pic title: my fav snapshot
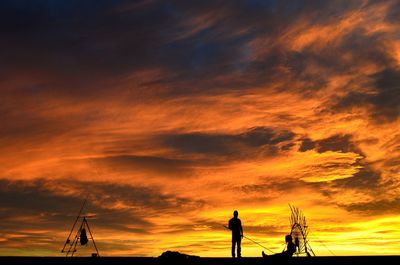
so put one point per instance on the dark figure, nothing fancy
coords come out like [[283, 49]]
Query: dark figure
[[290, 249], [237, 233], [83, 238]]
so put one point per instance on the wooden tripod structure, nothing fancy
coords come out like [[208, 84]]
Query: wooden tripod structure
[[299, 232], [71, 247]]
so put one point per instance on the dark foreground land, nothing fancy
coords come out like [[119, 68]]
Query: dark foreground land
[[378, 260]]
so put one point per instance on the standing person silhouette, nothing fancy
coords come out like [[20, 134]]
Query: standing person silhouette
[[237, 233]]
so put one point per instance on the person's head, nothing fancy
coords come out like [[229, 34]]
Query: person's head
[[288, 238], [235, 214]]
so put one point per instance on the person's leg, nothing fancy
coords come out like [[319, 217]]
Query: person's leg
[[239, 249], [233, 247]]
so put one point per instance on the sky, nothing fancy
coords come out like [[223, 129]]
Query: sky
[[170, 115]]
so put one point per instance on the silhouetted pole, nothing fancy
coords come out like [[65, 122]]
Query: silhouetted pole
[[91, 236], [73, 226], [255, 242]]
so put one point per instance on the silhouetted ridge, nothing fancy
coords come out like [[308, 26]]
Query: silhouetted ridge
[[176, 256]]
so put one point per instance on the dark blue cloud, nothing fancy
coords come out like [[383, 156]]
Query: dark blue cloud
[[335, 143], [85, 47], [255, 141], [45, 200], [383, 103]]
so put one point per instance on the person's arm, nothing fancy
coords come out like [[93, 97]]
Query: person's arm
[[241, 228], [230, 224]]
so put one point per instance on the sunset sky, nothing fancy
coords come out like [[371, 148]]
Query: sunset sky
[[170, 115]]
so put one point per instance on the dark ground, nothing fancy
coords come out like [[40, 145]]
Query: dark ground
[[378, 260]]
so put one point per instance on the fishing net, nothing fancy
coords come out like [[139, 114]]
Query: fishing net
[[299, 232]]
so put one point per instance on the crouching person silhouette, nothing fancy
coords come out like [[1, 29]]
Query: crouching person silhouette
[[237, 233], [290, 249]]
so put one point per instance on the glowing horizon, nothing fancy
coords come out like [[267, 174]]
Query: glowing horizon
[[169, 116]]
